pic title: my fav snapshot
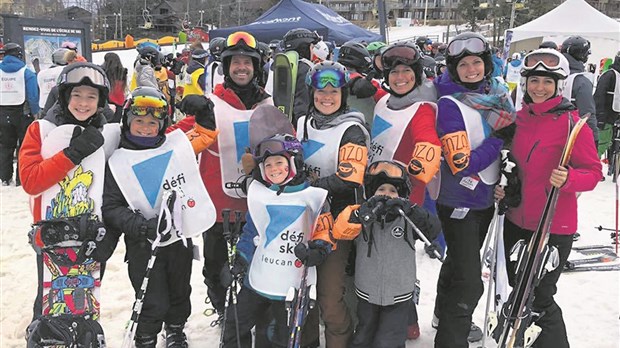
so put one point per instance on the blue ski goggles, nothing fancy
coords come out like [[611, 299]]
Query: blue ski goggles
[[321, 78]]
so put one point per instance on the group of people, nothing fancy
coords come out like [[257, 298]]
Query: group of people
[[379, 150]]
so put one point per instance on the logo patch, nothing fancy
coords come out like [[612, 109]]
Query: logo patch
[[280, 217], [311, 147], [398, 232], [379, 125], [150, 174]]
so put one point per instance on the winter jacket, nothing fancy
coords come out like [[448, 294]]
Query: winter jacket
[[498, 66], [604, 95], [144, 76], [450, 120], [302, 93], [210, 164], [11, 64], [537, 147], [194, 68], [582, 92], [38, 174]]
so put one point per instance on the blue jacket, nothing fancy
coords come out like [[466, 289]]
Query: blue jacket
[[449, 120], [498, 66], [12, 64]]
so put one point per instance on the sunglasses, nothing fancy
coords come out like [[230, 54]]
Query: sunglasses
[[236, 38], [322, 78], [390, 169], [146, 105], [549, 61], [395, 55], [275, 147], [472, 45]]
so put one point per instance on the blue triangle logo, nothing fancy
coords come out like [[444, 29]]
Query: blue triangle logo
[[242, 137], [379, 126], [281, 216], [150, 174], [311, 147]]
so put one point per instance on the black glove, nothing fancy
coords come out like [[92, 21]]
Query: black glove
[[201, 107], [151, 230], [312, 255], [368, 212], [426, 222], [506, 134], [362, 88], [227, 273], [83, 143], [394, 204]]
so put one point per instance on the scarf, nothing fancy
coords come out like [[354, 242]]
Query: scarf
[[496, 106]]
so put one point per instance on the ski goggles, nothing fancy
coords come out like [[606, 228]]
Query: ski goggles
[[147, 105], [390, 169], [77, 75], [236, 38], [321, 78], [271, 147], [548, 60], [473, 45], [399, 54]]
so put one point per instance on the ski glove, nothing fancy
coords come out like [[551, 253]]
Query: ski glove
[[83, 143], [312, 255], [151, 230], [371, 209], [426, 222], [362, 88], [394, 204], [228, 274], [201, 107]]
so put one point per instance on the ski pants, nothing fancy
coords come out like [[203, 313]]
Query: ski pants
[[250, 308], [381, 326], [215, 251], [330, 296], [553, 333], [459, 286], [12, 130], [167, 298]]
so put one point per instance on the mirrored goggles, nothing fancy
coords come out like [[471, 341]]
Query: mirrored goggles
[[145, 105], [75, 76], [395, 55], [336, 78], [275, 147], [549, 61], [472, 45], [390, 169], [236, 38]]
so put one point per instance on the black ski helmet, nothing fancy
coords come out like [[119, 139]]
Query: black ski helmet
[[79, 74], [146, 100], [422, 43], [354, 55], [149, 53], [468, 44], [14, 49], [216, 46], [387, 172], [405, 53], [577, 47], [241, 43], [264, 50], [548, 44], [299, 37]]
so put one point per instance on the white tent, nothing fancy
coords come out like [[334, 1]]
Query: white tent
[[573, 17]]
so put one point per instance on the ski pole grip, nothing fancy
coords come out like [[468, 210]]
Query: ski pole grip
[[420, 234], [237, 230], [226, 223]]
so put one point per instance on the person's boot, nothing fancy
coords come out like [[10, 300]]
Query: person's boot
[[146, 341], [475, 333], [175, 337], [413, 331]]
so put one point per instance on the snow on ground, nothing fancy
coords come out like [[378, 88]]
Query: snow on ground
[[590, 300]]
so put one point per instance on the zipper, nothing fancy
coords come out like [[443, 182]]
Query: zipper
[[531, 151]]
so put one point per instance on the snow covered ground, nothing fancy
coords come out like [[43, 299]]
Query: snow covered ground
[[590, 300]]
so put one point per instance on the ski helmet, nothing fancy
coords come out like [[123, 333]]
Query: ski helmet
[[404, 53], [468, 44], [320, 51], [146, 101], [58, 57], [422, 42], [200, 55], [440, 63], [216, 46], [328, 72], [299, 37], [149, 53], [577, 47], [241, 43], [387, 172], [282, 145], [545, 62], [548, 44], [80, 74], [354, 55], [264, 50], [374, 47], [13, 49]]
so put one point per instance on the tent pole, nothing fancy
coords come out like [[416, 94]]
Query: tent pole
[[381, 5], [512, 14]]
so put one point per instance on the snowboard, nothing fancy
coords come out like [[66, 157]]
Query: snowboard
[[266, 121], [513, 327], [284, 81]]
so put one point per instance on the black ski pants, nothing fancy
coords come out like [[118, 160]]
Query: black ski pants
[[215, 252], [381, 326], [459, 286], [167, 298], [13, 127], [553, 333]]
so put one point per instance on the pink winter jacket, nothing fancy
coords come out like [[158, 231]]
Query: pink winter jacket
[[537, 146]]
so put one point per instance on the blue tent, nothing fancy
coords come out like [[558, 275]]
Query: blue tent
[[291, 14]]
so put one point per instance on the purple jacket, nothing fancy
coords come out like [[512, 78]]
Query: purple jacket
[[537, 146], [449, 120]]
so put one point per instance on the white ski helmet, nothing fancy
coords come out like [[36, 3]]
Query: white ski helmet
[[320, 51], [545, 62]]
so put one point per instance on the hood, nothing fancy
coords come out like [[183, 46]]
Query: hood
[[556, 105], [193, 66], [59, 117], [11, 64], [426, 92], [574, 65], [515, 63], [446, 86]]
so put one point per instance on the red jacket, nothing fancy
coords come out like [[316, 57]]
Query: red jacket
[[537, 147]]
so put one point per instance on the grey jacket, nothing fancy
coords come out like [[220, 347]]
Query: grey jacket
[[582, 92]]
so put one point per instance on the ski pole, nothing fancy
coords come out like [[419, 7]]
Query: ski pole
[[601, 228], [420, 234], [233, 244], [226, 234]]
